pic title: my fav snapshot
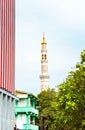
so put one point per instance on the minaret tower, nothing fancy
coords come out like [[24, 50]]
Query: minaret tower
[[44, 77]]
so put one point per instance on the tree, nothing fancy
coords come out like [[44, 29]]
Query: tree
[[71, 99], [47, 112]]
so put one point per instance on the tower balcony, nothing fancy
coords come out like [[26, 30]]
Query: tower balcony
[[44, 76]]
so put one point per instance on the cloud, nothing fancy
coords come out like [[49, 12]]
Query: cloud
[[67, 12]]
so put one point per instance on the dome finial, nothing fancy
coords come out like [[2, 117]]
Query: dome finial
[[43, 41]]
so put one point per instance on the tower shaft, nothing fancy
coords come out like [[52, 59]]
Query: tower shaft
[[44, 77]]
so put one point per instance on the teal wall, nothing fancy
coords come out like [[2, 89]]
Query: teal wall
[[27, 108]]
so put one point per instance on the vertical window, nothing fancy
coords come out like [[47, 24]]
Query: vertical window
[[45, 56]]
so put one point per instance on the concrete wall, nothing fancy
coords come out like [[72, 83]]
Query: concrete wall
[[7, 110]]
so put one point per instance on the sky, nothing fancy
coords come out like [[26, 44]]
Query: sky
[[63, 22]]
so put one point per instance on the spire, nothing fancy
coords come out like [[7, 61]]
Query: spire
[[44, 77], [43, 41]]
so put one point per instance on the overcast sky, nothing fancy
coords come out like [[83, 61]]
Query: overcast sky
[[63, 22]]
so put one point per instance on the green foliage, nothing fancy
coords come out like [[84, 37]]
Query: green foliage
[[47, 114]]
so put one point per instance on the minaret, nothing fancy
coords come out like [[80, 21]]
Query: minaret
[[44, 77]]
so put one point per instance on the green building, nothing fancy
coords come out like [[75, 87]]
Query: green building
[[26, 111]]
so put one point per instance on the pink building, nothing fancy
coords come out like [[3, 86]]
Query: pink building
[[7, 45]]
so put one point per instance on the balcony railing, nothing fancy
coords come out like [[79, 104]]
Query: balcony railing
[[30, 127], [26, 109]]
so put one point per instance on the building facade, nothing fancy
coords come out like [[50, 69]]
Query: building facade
[[7, 64], [7, 110], [44, 77], [25, 111]]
